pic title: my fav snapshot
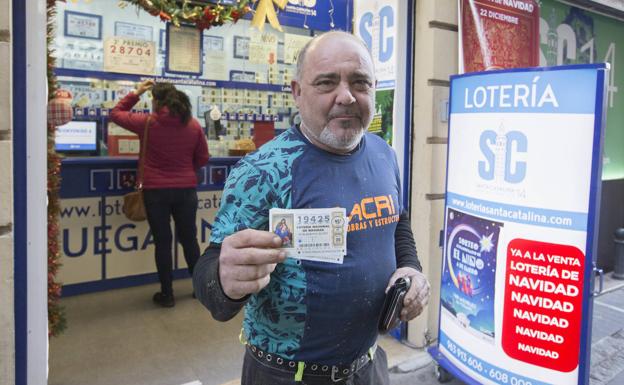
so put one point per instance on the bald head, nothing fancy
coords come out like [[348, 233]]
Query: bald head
[[319, 40], [334, 90]]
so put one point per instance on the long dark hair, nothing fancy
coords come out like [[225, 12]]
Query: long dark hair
[[165, 94]]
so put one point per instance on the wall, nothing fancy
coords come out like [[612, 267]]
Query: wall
[[436, 60], [611, 218], [7, 325]]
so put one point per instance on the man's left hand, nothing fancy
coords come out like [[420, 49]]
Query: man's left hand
[[417, 296]]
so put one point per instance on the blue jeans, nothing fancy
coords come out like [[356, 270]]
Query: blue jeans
[[160, 206], [255, 372]]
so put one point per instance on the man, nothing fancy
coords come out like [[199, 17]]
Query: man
[[305, 321]]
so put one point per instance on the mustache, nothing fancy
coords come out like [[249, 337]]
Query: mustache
[[342, 112]]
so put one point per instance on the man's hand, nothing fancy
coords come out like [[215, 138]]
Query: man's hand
[[247, 260], [417, 296]]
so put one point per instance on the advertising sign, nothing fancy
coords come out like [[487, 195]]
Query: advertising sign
[[570, 35], [129, 56], [376, 22], [498, 34], [522, 185], [100, 248], [99, 243], [318, 14]]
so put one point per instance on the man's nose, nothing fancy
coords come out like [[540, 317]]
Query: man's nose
[[344, 95]]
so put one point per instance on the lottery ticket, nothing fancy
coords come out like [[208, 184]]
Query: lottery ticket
[[311, 234]]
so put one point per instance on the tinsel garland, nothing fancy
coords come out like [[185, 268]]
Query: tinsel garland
[[191, 12], [56, 314]]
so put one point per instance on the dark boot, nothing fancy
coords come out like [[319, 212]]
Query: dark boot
[[164, 300]]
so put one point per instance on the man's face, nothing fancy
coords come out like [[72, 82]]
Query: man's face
[[336, 93]]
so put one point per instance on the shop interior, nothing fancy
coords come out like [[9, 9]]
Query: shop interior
[[238, 81]]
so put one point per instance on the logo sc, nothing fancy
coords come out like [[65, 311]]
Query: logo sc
[[501, 152]]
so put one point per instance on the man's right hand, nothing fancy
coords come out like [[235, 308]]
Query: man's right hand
[[247, 260]]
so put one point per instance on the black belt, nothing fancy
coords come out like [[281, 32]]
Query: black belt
[[337, 373]]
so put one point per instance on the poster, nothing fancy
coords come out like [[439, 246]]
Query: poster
[[497, 34], [263, 48], [523, 171], [376, 23], [292, 46], [382, 123], [469, 269], [570, 35], [129, 56], [136, 31], [184, 50], [215, 59], [83, 25]]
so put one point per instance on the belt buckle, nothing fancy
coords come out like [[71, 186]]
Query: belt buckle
[[335, 370]]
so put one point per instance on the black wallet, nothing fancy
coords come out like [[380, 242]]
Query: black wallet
[[393, 304]]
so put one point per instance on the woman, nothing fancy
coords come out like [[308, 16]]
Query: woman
[[283, 232], [176, 149]]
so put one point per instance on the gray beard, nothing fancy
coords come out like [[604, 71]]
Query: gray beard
[[347, 143]]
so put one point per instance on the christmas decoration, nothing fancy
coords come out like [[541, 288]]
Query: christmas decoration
[[56, 315], [60, 110], [265, 11], [202, 15]]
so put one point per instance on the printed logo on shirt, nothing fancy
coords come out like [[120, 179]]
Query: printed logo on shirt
[[372, 212]]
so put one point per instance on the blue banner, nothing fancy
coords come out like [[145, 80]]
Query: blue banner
[[536, 91], [520, 214], [318, 15]]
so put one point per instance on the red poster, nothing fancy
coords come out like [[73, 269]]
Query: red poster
[[543, 304], [497, 34]]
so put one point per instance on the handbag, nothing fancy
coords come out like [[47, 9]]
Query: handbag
[[133, 205]]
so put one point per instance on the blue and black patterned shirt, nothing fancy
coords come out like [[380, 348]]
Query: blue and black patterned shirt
[[313, 311]]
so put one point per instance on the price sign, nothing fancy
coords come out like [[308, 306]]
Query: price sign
[[129, 56]]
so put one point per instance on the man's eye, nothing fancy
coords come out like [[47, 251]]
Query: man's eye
[[362, 84], [325, 84]]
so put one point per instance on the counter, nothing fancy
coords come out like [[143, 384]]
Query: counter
[[100, 248]]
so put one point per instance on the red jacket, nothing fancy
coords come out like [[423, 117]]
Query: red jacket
[[174, 151]]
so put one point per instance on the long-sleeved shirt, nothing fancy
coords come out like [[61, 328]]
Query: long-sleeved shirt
[[313, 311], [175, 151]]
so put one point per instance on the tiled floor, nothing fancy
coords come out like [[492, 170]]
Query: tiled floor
[[120, 337]]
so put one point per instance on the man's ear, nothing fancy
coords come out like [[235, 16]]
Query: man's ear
[[295, 90]]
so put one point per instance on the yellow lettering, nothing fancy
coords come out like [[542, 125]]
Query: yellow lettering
[[356, 210], [363, 203], [382, 203]]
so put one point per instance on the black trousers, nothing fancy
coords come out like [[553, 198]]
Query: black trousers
[[160, 206], [256, 372]]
